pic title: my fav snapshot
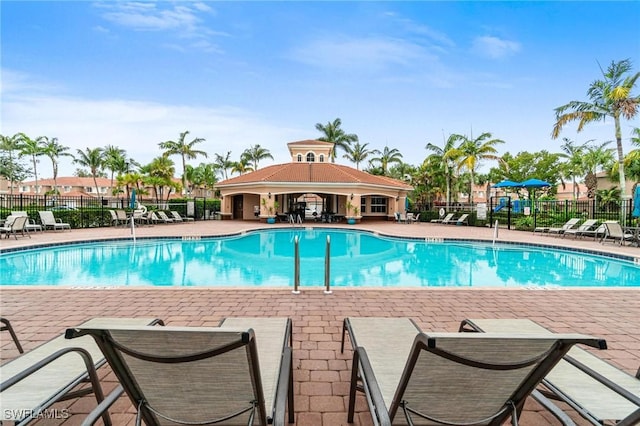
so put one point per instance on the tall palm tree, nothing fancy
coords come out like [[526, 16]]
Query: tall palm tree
[[574, 166], [444, 162], [471, 151], [33, 148], [610, 97], [114, 158], [160, 175], [386, 157], [223, 163], [333, 133], [184, 149], [255, 154], [358, 153], [11, 145], [92, 158], [54, 150]]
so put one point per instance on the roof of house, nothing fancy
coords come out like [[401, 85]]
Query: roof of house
[[313, 172], [71, 181]]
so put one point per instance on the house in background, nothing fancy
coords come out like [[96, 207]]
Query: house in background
[[68, 186], [311, 179]]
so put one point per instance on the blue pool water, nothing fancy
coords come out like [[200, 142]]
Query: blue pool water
[[265, 258]]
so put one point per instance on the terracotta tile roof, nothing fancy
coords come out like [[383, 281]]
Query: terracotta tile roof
[[313, 172], [72, 181], [310, 142]]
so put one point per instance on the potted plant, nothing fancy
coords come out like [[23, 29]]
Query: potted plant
[[351, 219], [270, 208]]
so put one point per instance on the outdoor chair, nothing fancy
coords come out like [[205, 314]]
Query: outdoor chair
[[163, 217], [416, 218], [447, 218], [35, 380], [597, 390], [114, 218], [463, 220], [238, 373], [49, 221], [14, 226], [588, 225], [178, 218], [6, 326], [31, 225], [615, 233], [411, 377], [558, 228]]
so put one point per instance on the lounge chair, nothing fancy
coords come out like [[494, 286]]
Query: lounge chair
[[178, 218], [200, 375], [49, 221], [14, 226], [114, 218], [163, 217], [463, 220], [598, 391], [445, 219], [416, 218], [49, 373], [558, 228], [595, 233], [448, 378], [449, 220], [6, 326], [614, 232], [587, 225], [31, 225]]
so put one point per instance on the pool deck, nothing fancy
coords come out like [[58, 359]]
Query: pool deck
[[321, 372]]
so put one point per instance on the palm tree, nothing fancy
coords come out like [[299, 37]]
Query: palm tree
[[471, 151], [54, 150], [255, 154], [595, 158], [333, 133], [33, 148], [93, 160], [358, 153], [386, 157], [444, 162], [241, 167], [574, 165], [224, 163], [610, 97], [11, 144], [114, 159], [184, 149]]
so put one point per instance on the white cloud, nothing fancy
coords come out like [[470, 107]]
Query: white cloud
[[358, 53], [494, 47], [136, 126], [183, 19]]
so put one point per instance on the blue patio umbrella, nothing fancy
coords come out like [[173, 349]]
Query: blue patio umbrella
[[534, 183], [507, 184], [636, 202], [132, 204]]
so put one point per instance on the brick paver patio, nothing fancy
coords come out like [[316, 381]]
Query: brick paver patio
[[321, 372]]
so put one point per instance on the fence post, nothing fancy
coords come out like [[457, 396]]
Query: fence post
[[296, 265], [327, 267]]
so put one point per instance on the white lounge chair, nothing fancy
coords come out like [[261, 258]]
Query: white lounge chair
[[447, 218], [178, 218], [598, 391], [239, 371], [49, 221], [30, 225], [558, 228], [463, 220], [586, 226], [448, 378], [37, 379]]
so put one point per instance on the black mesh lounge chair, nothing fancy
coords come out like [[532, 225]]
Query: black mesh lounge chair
[[410, 377], [52, 372], [238, 373], [598, 391]]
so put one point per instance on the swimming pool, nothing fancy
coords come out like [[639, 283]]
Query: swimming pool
[[358, 259]]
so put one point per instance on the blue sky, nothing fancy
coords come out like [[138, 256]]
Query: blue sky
[[401, 74]]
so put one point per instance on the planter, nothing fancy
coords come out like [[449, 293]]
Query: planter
[[271, 220], [351, 221]]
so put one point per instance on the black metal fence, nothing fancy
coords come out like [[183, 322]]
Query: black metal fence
[[92, 212]]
